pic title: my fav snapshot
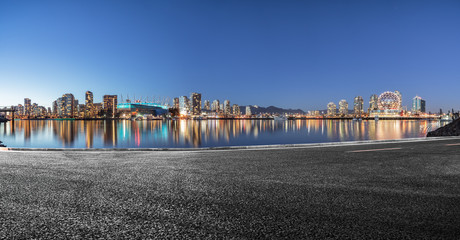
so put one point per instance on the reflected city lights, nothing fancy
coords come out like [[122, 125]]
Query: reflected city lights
[[203, 133]]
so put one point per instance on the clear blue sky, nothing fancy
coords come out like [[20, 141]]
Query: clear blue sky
[[292, 54]]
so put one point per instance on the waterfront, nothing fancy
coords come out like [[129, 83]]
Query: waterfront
[[202, 133]]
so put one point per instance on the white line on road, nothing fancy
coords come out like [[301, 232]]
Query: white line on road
[[453, 144], [373, 150]]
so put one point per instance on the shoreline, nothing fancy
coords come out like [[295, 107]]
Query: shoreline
[[247, 147]]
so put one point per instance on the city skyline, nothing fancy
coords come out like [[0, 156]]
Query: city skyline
[[290, 55]]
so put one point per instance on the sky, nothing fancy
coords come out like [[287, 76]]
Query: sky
[[290, 54]]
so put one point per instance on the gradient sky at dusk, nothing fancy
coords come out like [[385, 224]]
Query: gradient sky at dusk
[[292, 54]]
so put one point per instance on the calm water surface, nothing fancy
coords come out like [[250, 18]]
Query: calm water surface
[[204, 133]]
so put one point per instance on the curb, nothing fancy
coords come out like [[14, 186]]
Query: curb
[[254, 147]]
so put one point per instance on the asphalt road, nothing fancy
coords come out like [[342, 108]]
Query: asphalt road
[[376, 191]]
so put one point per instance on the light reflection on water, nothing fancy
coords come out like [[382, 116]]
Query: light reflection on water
[[204, 133]]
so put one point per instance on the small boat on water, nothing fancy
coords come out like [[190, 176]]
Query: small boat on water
[[376, 118], [446, 118]]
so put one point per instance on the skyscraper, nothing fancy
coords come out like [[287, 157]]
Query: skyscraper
[[331, 109], [343, 107], [176, 103], [89, 104], [110, 105], [207, 105], [227, 107], [215, 106], [418, 105], [183, 105], [196, 103], [358, 105], [27, 106], [373, 103], [236, 110], [88, 98], [68, 102], [248, 111]]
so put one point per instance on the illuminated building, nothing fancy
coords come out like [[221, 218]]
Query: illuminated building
[[89, 104], [27, 106], [227, 107], [176, 103], [236, 110], [183, 105], [215, 106], [196, 103], [418, 105], [141, 109], [88, 98], [389, 105], [67, 107], [110, 105], [20, 109], [400, 99], [331, 109], [373, 103], [358, 105], [55, 107], [248, 111], [207, 105], [343, 107]]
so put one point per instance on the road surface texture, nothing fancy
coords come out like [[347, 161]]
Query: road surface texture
[[394, 190]]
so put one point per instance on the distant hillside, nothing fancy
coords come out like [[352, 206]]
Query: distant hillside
[[271, 109]]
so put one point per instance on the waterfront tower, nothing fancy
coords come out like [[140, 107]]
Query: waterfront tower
[[176, 103], [358, 105], [248, 111], [183, 105], [343, 107], [27, 106], [236, 110], [110, 105], [373, 103], [207, 105], [196, 103], [227, 107], [418, 105], [331, 109]]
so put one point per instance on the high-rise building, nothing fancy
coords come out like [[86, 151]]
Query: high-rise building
[[331, 109], [183, 105], [27, 106], [88, 98], [176, 103], [400, 99], [196, 103], [55, 107], [215, 106], [236, 110], [248, 111], [20, 109], [358, 105], [207, 105], [418, 105], [67, 105], [373, 103], [227, 107], [110, 105], [343, 107]]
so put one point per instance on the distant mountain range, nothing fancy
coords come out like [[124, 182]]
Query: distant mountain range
[[271, 109]]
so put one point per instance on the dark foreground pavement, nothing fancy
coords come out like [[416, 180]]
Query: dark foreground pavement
[[408, 190]]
